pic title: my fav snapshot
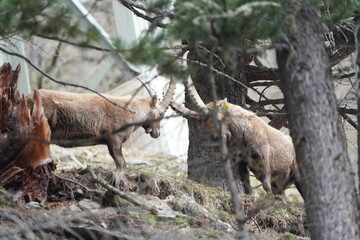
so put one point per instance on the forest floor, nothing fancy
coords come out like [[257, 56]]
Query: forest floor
[[79, 208]]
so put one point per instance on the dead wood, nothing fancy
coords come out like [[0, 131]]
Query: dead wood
[[24, 141], [121, 193]]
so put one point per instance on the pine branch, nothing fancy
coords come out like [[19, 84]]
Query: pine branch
[[255, 73], [132, 6]]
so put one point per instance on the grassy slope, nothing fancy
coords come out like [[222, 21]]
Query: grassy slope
[[190, 210]]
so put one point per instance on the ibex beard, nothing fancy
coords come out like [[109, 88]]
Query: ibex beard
[[89, 119]]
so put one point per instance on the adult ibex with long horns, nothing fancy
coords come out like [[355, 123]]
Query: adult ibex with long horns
[[89, 119], [253, 144]]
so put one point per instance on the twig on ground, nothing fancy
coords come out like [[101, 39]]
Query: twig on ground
[[50, 223], [256, 224], [77, 183], [121, 194], [157, 236]]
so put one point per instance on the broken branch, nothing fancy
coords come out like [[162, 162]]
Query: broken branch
[[121, 194]]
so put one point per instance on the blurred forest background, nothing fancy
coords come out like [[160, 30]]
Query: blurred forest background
[[255, 53], [80, 65]]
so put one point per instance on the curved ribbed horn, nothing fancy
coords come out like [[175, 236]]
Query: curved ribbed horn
[[165, 103], [151, 91], [186, 112], [195, 97]]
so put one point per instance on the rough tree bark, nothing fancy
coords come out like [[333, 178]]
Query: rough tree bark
[[204, 162], [327, 181], [357, 41]]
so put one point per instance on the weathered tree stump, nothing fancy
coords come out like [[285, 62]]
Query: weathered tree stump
[[24, 141]]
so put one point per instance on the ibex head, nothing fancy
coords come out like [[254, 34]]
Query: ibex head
[[157, 110], [221, 108], [204, 113]]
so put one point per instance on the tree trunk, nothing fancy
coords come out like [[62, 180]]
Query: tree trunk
[[204, 162], [358, 107], [326, 181]]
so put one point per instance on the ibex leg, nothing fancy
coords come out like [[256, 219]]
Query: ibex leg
[[115, 149], [245, 177]]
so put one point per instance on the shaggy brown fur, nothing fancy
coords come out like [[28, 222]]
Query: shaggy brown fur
[[252, 143], [82, 117], [255, 145]]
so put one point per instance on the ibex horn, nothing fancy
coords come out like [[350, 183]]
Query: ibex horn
[[151, 91], [165, 103], [187, 113], [195, 97]]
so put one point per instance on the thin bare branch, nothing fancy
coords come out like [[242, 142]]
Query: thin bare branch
[[51, 66], [344, 76], [350, 111], [154, 20], [349, 120], [264, 83], [344, 41], [228, 77], [256, 73], [67, 41], [224, 154], [58, 81], [271, 101]]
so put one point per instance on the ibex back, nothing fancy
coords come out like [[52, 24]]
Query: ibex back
[[84, 118]]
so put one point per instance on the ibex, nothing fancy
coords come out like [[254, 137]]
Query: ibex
[[85, 117], [255, 145]]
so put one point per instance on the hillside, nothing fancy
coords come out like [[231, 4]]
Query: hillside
[[79, 208]]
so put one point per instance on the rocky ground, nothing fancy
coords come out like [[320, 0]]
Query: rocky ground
[[169, 205]]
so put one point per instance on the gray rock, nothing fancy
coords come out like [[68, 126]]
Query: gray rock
[[74, 208], [34, 205], [187, 205], [87, 204]]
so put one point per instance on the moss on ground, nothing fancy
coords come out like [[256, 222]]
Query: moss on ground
[[160, 176], [153, 220], [5, 198]]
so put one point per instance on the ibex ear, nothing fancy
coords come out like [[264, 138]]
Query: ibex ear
[[224, 101], [224, 105], [154, 100], [221, 103]]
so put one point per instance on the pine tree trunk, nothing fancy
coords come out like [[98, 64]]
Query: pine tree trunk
[[204, 163], [326, 179], [358, 107]]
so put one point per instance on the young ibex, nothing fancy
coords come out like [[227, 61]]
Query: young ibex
[[84, 117], [254, 145]]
